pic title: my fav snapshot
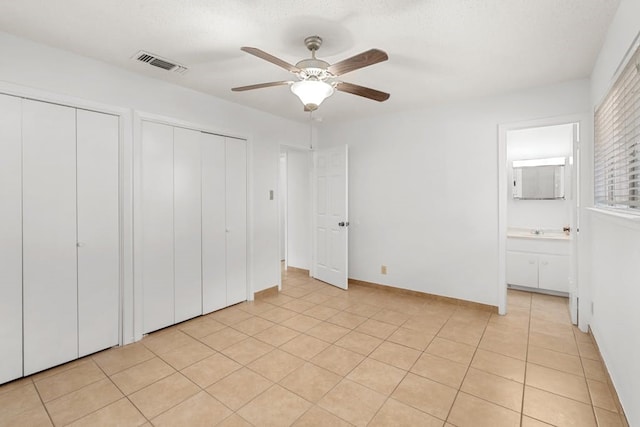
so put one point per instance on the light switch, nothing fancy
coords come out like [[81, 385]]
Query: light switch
[[270, 194]]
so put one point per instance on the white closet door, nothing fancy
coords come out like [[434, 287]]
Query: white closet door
[[236, 208], [187, 224], [98, 231], [157, 226], [214, 282], [10, 238], [49, 236]]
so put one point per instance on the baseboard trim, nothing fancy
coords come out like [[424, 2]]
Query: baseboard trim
[[266, 292], [432, 297]]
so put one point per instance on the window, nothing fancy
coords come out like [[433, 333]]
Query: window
[[617, 142]]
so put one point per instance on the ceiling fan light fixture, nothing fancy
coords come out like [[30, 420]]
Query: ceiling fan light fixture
[[312, 92]]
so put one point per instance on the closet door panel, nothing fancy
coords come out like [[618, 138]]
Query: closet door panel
[[157, 226], [98, 231], [236, 213], [10, 238], [49, 236], [187, 224], [214, 282]]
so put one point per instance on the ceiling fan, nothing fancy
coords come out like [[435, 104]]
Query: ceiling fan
[[317, 79]]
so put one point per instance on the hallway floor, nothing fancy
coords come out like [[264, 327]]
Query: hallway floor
[[315, 355]]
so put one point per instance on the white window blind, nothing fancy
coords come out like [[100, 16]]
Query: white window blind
[[617, 142]]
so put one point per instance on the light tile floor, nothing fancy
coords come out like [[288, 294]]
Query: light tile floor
[[315, 355]]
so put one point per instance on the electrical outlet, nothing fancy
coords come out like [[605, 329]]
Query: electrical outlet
[[383, 269]]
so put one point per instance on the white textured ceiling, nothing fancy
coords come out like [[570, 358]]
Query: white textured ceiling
[[439, 50]]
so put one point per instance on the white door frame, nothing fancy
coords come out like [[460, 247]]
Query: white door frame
[[503, 194]]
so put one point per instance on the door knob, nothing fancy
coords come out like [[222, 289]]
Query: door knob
[[343, 224]]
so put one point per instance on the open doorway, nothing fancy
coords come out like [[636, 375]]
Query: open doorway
[[295, 209], [538, 211]]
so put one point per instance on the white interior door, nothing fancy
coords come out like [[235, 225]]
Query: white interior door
[[10, 238], [50, 282], [157, 226], [187, 224], [331, 218], [98, 231], [236, 220], [214, 258], [575, 226]]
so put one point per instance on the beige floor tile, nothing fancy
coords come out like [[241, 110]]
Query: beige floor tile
[[199, 410], [426, 395], [601, 395], [80, 403], [120, 358], [347, 320], [361, 309], [164, 394], [34, 417], [15, 384], [338, 360], [321, 312], [139, 376], [278, 315], [512, 344], [276, 364], [377, 376], [247, 351], [301, 323], [317, 416], [18, 400], [396, 355], [295, 292], [352, 402], [164, 341], [567, 385], [276, 335], [458, 352], [411, 338], [70, 380], [201, 327], [275, 407], [253, 325], [187, 355], [328, 332], [557, 410], [316, 297], [299, 306], [377, 328], [310, 381], [498, 364], [212, 369], [339, 303], [531, 422], [594, 370], [277, 300], [462, 332], [119, 413], [238, 388], [553, 359], [391, 316], [493, 388], [358, 342], [551, 342], [469, 411], [588, 351], [255, 307], [549, 327], [607, 418], [518, 299], [223, 338], [425, 325], [230, 316], [234, 420], [439, 369], [397, 414], [305, 346]]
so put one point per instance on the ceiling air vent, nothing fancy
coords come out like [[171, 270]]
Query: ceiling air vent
[[159, 62]]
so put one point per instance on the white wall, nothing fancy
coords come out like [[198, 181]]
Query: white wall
[[423, 189], [298, 209], [37, 68], [615, 245], [539, 143]]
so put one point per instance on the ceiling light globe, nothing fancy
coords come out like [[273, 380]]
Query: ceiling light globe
[[312, 92]]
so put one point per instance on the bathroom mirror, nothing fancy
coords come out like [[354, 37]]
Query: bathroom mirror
[[538, 179]]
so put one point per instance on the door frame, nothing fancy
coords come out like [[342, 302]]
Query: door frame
[[503, 193]]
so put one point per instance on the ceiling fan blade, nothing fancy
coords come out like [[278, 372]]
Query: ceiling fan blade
[[267, 57], [361, 60], [366, 92], [260, 86]]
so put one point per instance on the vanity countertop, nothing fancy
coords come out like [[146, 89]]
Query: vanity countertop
[[541, 234]]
